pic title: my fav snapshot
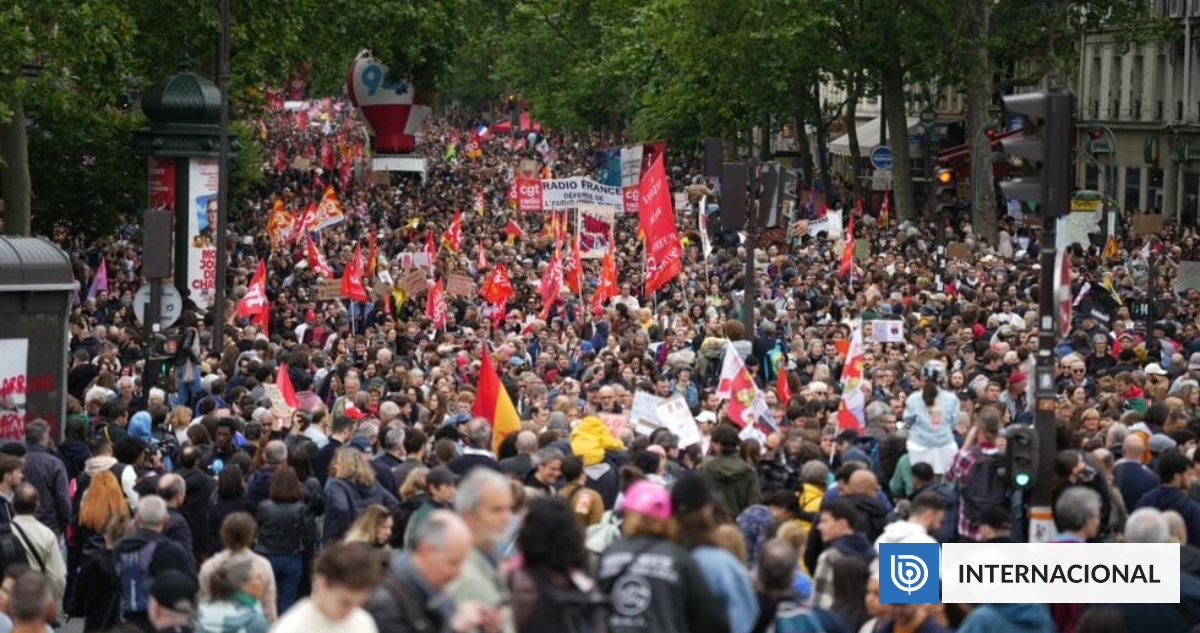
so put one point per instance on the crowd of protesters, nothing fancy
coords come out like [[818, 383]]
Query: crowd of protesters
[[381, 503]]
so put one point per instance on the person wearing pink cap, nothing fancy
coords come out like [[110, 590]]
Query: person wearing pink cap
[[655, 585]]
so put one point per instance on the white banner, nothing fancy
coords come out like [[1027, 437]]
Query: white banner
[[568, 193], [595, 230], [14, 370], [202, 221], [831, 224]]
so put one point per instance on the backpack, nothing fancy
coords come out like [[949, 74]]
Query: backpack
[[603, 534], [133, 574], [984, 489], [563, 610], [12, 550], [792, 617], [714, 357]]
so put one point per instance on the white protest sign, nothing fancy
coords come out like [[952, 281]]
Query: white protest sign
[[676, 416], [644, 413], [887, 331]]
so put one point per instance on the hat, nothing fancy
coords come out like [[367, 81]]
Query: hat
[[648, 498], [1017, 377], [440, 475], [516, 361], [1194, 361], [1154, 369], [1159, 443], [139, 425], [175, 590], [353, 413], [707, 417], [690, 493]]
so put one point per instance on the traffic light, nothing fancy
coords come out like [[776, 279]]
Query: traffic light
[[945, 193], [1021, 456], [1046, 150]]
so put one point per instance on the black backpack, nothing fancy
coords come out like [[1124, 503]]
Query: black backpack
[[12, 550], [984, 489], [566, 610]]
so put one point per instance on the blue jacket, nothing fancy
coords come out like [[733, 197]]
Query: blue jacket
[[1133, 480], [346, 501], [730, 584], [1008, 618], [1165, 498]]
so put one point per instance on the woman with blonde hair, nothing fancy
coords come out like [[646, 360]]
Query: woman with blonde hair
[[373, 530], [178, 421], [352, 488]]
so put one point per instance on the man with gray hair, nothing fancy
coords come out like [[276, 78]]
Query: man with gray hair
[[547, 468], [48, 475], [144, 555], [520, 465], [477, 453], [485, 502], [1077, 514], [1147, 525], [172, 489]]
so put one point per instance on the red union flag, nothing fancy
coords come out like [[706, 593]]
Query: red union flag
[[529, 194], [352, 283], [435, 305], [664, 253], [496, 287], [255, 300], [316, 261]]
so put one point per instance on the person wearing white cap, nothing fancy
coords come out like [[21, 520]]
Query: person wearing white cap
[[705, 422]]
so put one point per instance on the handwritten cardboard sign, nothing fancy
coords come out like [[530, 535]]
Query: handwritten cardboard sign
[[414, 283], [329, 289], [460, 285]]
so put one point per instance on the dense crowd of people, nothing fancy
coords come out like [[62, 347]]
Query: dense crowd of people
[[381, 502]]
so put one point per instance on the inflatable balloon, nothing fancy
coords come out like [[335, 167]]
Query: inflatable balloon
[[393, 110]]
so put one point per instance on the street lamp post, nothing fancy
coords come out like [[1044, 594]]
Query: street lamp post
[[1108, 172]]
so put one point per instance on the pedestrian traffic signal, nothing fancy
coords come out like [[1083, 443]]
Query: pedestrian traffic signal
[[945, 194], [1021, 456], [1046, 149]]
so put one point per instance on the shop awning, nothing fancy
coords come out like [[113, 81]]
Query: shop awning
[[868, 137]]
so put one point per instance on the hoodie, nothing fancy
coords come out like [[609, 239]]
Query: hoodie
[[904, 532], [1008, 618], [239, 614], [873, 513], [733, 481], [1168, 498]]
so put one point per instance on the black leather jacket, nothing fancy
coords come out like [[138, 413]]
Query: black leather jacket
[[283, 528]]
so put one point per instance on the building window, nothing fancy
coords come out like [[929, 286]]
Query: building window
[[1191, 199], [1154, 197], [1133, 187], [1091, 178]]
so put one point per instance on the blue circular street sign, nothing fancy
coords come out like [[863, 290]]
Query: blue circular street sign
[[881, 157]]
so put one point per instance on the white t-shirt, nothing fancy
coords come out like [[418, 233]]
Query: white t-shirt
[[304, 617]]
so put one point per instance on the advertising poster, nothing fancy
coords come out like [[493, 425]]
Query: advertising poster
[[202, 226], [14, 369]]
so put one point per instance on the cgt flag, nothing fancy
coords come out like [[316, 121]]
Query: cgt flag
[[496, 287], [851, 414], [656, 218], [352, 284], [435, 305], [255, 300], [316, 261]]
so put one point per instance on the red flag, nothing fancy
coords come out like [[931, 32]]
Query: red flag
[[302, 120], [255, 300], [452, 238], [344, 173], [263, 321], [482, 263], [352, 283], [435, 305], [607, 288], [746, 403], [573, 268], [370, 254], [847, 264], [496, 287], [430, 249], [493, 404], [782, 389], [513, 231], [326, 155], [306, 220], [279, 159], [552, 283], [317, 182], [498, 313], [284, 382], [664, 253], [316, 261]]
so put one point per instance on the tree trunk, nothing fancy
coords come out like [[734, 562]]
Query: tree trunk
[[806, 165], [856, 181], [14, 173], [979, 89], [822, 134], [893, 97]]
